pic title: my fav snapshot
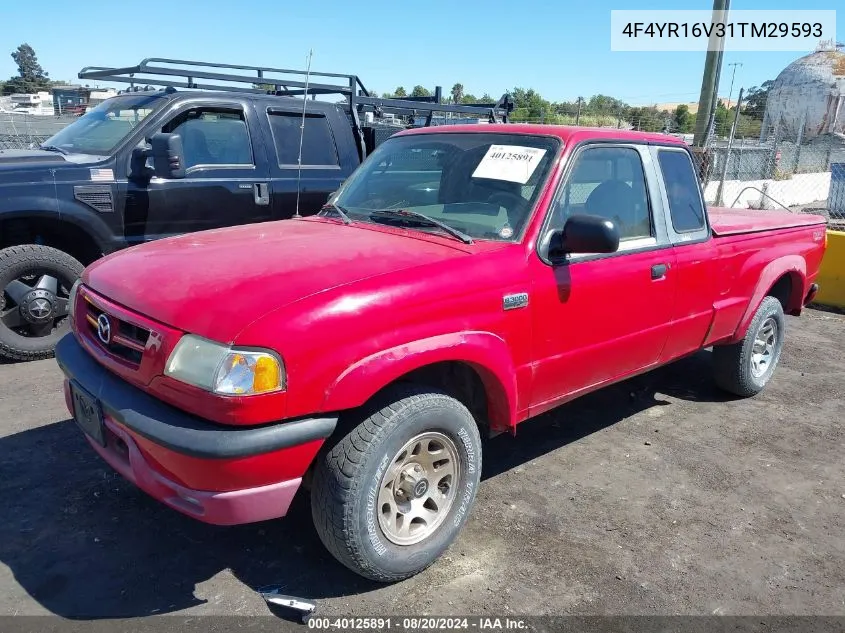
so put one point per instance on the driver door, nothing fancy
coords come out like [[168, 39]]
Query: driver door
[[600, 317], [226, 177]]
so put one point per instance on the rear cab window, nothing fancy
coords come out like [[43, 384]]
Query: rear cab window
[[318, 143], [683, 194]]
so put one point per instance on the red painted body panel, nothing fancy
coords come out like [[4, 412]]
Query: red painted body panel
[[607, 319], [352, 308]]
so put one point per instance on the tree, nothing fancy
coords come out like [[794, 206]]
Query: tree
[[755, 100], [31, 76], [722, 123], [419, 91], [486, 98], [458, 93], [529, 105], [683, 119], [400, 92]]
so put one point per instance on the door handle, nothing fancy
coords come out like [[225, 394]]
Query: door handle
[[658, 271], [261, 192]]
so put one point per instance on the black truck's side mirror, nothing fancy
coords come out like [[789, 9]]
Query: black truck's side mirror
[[168, 156], [138, 169], [583, 234]]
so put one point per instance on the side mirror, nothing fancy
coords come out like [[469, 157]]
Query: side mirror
[[583, 234], [138, 169], [168, 158]]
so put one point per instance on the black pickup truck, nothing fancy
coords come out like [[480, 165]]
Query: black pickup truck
[[171, 155]]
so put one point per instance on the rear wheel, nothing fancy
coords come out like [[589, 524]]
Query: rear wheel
[[36, 282], [392, 494], [746, 367]]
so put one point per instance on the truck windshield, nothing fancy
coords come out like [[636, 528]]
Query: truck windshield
[[483, 184], [102, 129]]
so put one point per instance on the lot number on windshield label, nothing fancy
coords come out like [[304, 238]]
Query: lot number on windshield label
[[509, 162]]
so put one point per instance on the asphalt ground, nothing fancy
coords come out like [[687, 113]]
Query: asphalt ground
[[659, 495]]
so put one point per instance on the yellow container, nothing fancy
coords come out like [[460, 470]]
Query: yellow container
[[831, 278]]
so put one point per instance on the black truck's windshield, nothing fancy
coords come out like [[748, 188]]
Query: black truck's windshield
[[102, 129], [483, 185]]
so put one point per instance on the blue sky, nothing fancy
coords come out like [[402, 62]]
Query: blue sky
[[560, 48]]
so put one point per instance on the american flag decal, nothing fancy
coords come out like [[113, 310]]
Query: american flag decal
[[102, 175]]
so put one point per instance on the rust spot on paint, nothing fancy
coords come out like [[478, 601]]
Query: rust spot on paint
[[838, 65]]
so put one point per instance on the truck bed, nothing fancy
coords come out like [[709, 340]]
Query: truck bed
[[725, 221]]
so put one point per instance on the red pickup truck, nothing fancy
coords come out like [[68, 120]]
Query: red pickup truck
[[462, 280]]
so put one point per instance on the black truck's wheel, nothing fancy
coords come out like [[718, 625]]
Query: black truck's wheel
[[36, 281], [391, 495], [744, 368]]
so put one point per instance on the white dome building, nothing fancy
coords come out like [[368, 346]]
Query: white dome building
[[812, 87]]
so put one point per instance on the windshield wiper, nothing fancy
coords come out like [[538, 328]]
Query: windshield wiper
[[406, 214], [55, 148], [339, 210]]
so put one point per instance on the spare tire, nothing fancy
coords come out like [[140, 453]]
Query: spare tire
[[34, 310]]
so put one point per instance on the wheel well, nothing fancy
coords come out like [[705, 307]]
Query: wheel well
[[784, 291], [64, 236], [457, 379]]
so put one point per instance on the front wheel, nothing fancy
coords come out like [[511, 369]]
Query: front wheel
[[36, 281], [391, 495]]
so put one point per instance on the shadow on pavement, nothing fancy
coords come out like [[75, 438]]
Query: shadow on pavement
[[85, 543]]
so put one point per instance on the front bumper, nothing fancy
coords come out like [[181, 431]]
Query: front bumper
[[218, 474]]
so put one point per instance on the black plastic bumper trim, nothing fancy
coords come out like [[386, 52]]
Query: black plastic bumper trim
[[174, 429]]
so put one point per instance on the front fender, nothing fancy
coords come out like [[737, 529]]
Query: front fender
[[92, 223], [795, 266], [487, 353]]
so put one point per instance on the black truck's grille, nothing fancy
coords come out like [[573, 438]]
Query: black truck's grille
[[126, 341]]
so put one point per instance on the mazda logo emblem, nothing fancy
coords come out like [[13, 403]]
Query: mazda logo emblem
[[104, 329]]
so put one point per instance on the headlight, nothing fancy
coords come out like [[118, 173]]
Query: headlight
[[71, 299], [225, 370]]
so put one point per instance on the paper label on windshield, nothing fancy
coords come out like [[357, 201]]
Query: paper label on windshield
[[509, 162]]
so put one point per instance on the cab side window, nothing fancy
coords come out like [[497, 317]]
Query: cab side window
[[213, 137], [608, 182], [682, 190], [318, 144]]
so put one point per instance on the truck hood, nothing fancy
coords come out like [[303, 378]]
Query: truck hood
[[15, 158], [22, 164], [726, 221], [215, 283]]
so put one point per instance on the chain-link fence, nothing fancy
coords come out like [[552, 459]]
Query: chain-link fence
[[25, 131], [772, 158], [766, 158]]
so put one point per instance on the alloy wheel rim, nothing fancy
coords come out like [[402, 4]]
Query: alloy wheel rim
[[763, 349], [33, 305], [418, 488]]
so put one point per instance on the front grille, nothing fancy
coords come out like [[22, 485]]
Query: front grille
[[127, 341]]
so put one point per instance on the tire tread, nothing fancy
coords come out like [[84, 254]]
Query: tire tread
[[37, 255]]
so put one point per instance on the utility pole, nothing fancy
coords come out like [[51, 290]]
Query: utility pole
[[578, 115], [710, 78], [733, 75], [719, 200]]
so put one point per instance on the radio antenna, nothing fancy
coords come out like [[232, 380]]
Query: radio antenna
[[302, 132]]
